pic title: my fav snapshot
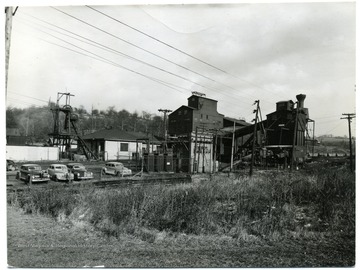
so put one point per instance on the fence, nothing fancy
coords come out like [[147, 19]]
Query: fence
[[31, 153]]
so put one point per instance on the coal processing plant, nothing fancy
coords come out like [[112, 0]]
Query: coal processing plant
[[199, 139], [202, 140]]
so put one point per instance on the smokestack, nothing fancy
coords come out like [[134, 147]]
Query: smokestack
[[301, 98]]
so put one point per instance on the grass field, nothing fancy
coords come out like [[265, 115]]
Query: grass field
[[307, 210]]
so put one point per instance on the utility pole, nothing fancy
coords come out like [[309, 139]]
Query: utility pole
[[165, 111], [232, 148], [294, 138], [254, 137], [215, 150], [350, 116], [203, 155], [195, 149], [198, 156], [8, 25]]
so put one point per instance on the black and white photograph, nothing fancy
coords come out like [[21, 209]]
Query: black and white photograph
[[180, 134]]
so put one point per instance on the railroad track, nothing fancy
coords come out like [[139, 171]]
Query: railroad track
[[111, 182]]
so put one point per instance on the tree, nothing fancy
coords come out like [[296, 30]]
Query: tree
[[11, 119], [38, 122]]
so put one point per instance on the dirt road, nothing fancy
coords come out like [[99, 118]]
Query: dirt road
[[38, 241]]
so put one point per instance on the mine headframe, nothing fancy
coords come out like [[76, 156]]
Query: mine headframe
[[64, 134]]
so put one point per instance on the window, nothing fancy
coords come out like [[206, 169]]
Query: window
[[179, 113], [185, 112], [124, 147], [207, 117]]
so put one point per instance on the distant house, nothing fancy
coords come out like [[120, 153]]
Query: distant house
[[13, 137], [116, 144]]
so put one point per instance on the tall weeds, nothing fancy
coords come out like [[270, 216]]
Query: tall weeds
[[271, 206]]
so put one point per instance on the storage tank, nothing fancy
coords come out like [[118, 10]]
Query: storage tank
[[169, 163], [159, 162], [149, 162]]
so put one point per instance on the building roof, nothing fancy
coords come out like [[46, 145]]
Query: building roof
[[237, 121], [182, 107], [203, 97], [119, 135], [227, 130], [283, 101]]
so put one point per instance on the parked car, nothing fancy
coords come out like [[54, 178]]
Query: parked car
[[79, 171], [116, 168], [60, 172], [11, 165], [32, 173]]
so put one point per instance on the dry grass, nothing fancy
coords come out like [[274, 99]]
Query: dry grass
[[272, 206]]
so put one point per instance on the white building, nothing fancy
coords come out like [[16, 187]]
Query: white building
[[116, 144]]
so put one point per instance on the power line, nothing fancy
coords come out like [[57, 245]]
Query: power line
[[333, 128], [162, 42], [46, 101], [115, 64], [14, 100], [174, 48], [99, 58], [324, 117], [156, 39], [132, 44], [128, 42], [102, 59], [101, 46]]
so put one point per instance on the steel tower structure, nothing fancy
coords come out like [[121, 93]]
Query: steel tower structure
[[65, 130]]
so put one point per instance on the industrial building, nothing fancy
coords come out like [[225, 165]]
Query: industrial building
[[193, 129], [200, 113], [282, 136], [203, 140], [117, 144]]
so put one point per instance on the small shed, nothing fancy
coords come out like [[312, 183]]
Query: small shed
[[117, 144]]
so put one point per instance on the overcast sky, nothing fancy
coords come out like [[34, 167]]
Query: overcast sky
[[147, 57]]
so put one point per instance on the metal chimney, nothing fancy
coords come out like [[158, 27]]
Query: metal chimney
[[300, 98]]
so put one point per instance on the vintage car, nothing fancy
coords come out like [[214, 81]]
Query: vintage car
[[79, 171], [60, 172], [116, 168], [11, 165], [32, 173]]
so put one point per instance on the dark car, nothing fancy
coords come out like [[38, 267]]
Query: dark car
[[11, 165], [32, 173], [79, 171]]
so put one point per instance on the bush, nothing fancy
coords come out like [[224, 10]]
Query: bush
[[49, 202], [271, 206]]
